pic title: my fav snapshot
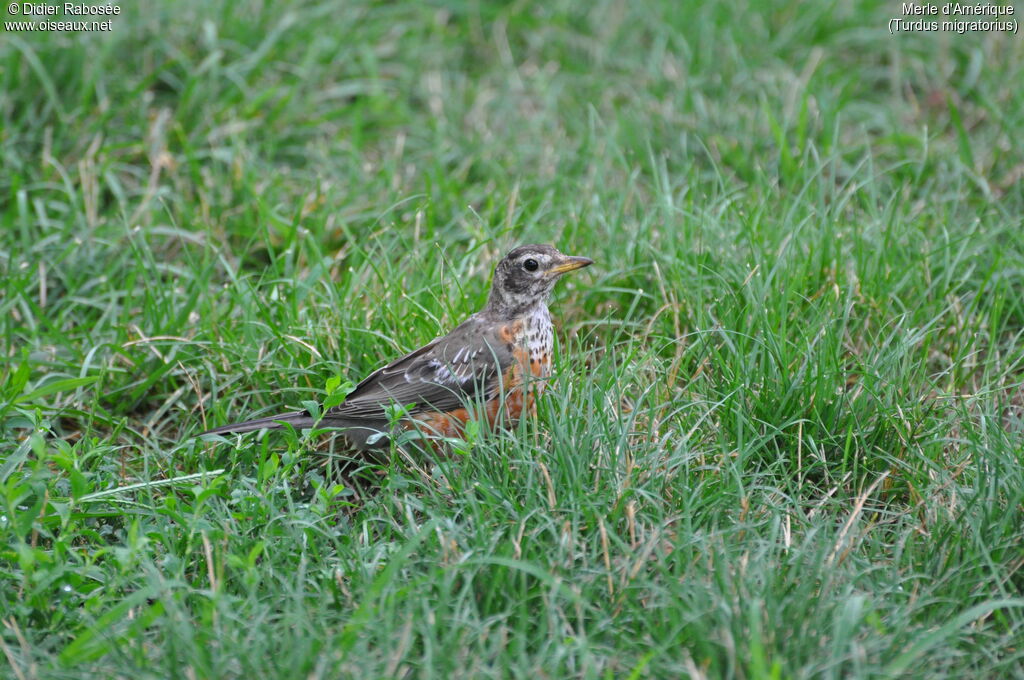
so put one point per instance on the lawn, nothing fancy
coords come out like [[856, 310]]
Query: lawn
[[784, 438]]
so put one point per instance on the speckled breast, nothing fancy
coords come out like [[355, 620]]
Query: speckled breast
[[532, 339], [538, 341]]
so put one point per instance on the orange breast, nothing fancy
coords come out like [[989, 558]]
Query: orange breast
[[522, 382]]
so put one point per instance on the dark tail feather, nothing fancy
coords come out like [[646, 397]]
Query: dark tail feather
[[297, 419]]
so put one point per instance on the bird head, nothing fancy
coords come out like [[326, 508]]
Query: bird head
[[526, 275]]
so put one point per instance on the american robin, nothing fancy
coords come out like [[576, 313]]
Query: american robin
[[497, 359]]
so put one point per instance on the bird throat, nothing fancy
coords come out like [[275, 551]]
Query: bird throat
[[538, 336]]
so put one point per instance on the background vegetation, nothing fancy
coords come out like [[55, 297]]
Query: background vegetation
[[785, 435]]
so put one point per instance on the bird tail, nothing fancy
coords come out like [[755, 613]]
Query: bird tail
[[297, 419]]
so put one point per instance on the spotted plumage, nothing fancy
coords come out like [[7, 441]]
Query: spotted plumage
[[492, 365]]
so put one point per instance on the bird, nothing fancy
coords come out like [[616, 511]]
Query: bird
[[491, 366]]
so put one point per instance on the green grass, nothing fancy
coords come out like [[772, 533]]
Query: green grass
[[785, 436]]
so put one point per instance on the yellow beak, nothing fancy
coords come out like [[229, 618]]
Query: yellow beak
[[570, 264]]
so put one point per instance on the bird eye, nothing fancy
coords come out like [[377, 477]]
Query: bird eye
[[530, 265]]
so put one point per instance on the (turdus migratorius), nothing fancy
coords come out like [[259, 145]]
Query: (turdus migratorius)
[[497, 359]]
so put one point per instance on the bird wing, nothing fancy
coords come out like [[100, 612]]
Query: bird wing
[[466, 364]]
